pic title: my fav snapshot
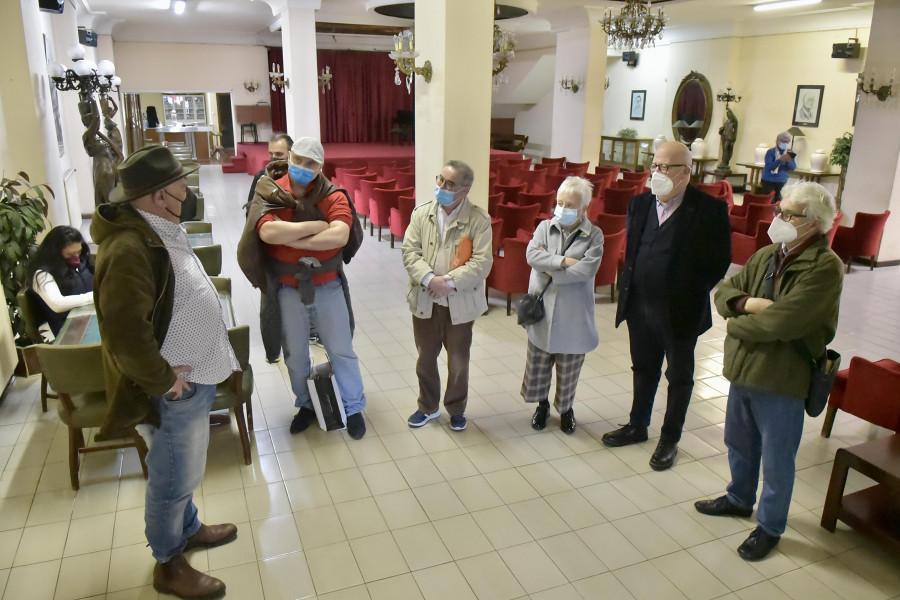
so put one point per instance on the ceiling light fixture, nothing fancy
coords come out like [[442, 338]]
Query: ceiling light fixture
[[178, 6], [635, 26], [785, 4]]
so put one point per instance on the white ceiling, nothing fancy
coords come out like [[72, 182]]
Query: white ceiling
[[249, 21]]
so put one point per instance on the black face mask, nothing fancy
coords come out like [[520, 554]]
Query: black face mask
[[188, 197]]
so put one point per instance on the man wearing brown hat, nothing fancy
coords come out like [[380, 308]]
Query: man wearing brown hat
[[165, 347]]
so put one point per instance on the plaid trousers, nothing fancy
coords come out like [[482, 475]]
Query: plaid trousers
[[539, 367]]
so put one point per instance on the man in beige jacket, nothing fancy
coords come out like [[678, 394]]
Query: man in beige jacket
[[446, 289]]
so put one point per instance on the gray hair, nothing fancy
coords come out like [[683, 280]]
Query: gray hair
[[468, 175], [817, 203], [784, 136], [576, 186]]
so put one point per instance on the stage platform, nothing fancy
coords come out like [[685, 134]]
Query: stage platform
[[250, 158]]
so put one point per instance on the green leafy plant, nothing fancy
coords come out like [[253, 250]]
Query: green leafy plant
[[840, 152], [627, 132], [23, 207]]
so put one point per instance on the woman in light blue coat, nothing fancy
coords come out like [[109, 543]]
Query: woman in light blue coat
[[568, 249]]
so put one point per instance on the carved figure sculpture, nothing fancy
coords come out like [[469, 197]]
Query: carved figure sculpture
[[728, 132], [109, 108], [101, 149]]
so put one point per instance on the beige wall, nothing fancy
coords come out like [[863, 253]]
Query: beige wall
[[196, 68]]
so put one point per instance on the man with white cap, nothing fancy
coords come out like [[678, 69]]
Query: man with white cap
[[291, 249]]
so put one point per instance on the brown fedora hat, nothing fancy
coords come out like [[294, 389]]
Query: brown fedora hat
[[145, 171]]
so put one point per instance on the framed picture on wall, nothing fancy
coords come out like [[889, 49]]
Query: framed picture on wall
[[808, 105], [638, 104]]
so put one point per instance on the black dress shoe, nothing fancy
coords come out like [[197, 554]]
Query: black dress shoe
[[624, 436], [302, 420], [539, 420], [758, 545], [721, 507], [567, 421], [664, 455]]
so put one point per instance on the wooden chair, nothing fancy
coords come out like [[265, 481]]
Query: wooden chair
[[32, 319], [211, 258], [76, 374]]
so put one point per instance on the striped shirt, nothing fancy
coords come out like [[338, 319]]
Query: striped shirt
[[197, 335]]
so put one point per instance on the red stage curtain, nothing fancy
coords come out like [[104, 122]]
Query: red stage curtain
[[279, 113], [363, 100]]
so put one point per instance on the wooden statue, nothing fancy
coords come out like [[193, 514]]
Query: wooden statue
[[728, 132], [109, 108], [101, 149]]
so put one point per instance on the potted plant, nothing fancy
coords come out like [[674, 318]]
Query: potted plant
[[23, 208], [840, 156]]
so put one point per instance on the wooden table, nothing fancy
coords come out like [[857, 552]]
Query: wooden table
[[755, 174], [874, 510], [814, 176], [698, 166]]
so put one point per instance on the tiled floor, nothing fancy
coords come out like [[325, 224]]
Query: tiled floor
[[498, 511]]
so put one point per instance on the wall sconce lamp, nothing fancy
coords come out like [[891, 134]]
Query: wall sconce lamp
[[569, 84], [251, 86], [404, 55], [325, 79], [882, 93], [278, 79]]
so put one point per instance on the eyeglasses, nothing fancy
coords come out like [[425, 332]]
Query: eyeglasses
[[446, 183], [786, 215], [663, 168]]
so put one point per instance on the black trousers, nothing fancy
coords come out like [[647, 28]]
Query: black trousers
[[771, 186], [651, 340]]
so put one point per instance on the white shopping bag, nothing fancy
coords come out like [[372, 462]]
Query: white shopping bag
[[326, 397]]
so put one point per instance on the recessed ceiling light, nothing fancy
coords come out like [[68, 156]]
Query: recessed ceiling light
[[785, 4], [178, 6]]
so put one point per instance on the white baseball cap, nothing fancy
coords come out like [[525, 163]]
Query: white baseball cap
[[309, 147]]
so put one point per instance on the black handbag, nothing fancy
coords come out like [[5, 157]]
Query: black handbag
[[530, 307], [824, 370]]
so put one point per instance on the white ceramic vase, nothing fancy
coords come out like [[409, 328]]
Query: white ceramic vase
[[817, 161], [658, 141], [759, 154], [698, 148]]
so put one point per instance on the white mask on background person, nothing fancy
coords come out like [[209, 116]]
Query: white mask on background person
[[660, 184], [782, 232], [566, 216], [782, 146]]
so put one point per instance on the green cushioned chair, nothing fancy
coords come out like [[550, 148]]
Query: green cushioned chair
[[197, 227], [76, 374], [211, 258], [31, 317], [235, 392]]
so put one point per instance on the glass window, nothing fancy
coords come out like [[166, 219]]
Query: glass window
[[184, 109]]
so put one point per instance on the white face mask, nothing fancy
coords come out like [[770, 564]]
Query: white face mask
[[566, 216], [782, 232], [660, 184]]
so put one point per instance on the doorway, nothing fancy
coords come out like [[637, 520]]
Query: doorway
[[226, 120]]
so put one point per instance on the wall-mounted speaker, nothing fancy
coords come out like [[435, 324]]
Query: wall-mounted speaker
[[87, 37], [52, 6], [630, 58], [848, 50]]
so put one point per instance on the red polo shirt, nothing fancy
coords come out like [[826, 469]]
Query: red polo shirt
[[335, 208]]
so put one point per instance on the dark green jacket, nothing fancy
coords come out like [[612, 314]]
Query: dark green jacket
[[134, 289], [764, 350]]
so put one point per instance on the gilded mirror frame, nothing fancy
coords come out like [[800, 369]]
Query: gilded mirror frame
[[693, 77]]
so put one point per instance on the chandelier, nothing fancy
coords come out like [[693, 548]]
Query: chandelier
[[635, 26], [85, 77], [278, 79], [504, 51]]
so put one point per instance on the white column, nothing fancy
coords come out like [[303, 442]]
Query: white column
[[873, 176], [453, 112], [298, 41], [578, 118]]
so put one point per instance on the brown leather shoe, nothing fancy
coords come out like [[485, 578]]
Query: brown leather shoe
[[210, 536], [180, 579]]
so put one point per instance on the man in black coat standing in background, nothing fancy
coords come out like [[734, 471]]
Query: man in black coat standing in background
[[678, 248]]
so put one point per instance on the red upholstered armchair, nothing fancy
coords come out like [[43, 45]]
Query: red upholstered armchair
[[740, 210], [638, 177], [546, 200], [616, 200], [863, 239], [744, 246], [517, 217], [868, 390], [612, 261], [400, 216], [576, 169], [496, 230], [756, 213], [383, 200], [510, 272]]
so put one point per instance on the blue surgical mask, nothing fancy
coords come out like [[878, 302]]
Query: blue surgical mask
[[566, 216], [301, 175], [443, 197], [782, 146]]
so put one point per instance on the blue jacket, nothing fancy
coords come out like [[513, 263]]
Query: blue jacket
[[784, 170]]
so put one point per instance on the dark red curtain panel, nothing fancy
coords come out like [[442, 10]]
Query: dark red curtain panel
[[363, 100], [279, 113]]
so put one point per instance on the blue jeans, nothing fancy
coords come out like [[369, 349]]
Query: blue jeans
[[334, 332], [175, 464], [763, 426]]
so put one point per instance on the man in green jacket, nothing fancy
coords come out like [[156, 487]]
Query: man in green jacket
[[165, 348], [782, 310]]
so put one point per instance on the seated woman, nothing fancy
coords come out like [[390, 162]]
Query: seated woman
[[568, 249], [60, 275]]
